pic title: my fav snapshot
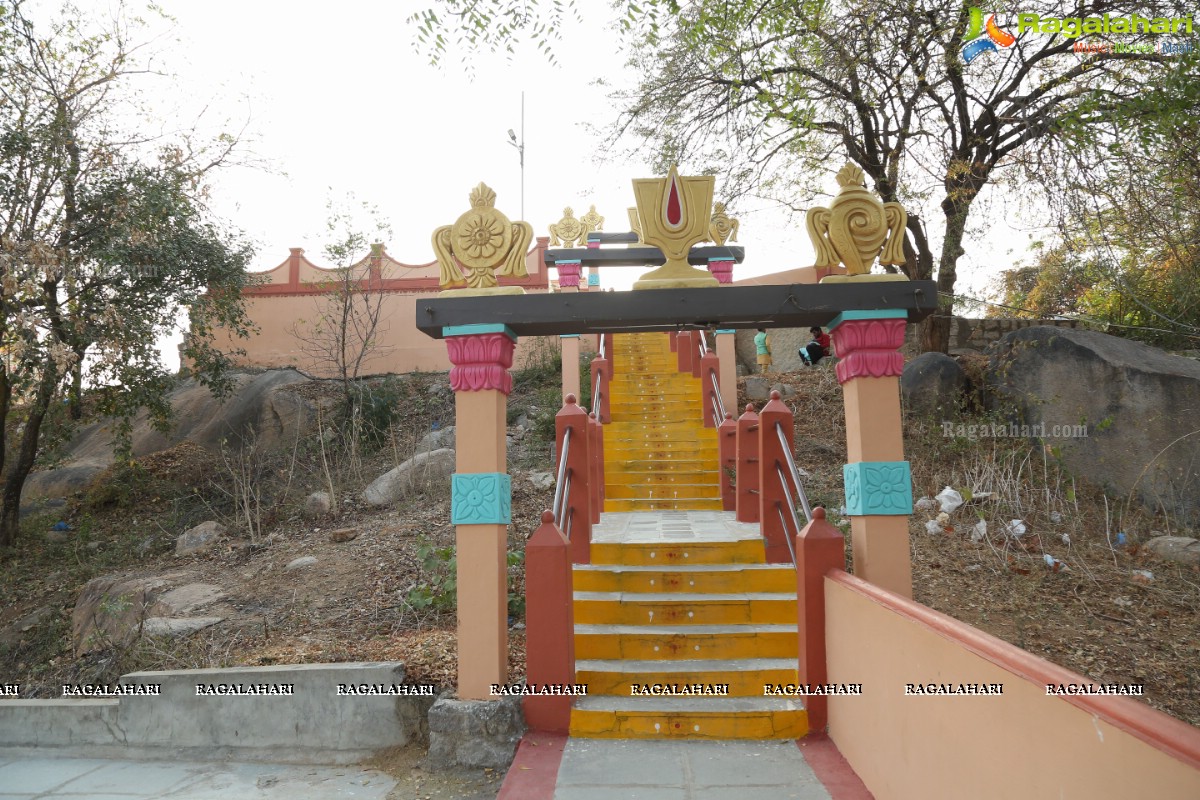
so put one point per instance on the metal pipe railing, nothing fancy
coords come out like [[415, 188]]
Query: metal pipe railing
[[566, 529], [718, 414], [559, 494], [791, 546], [597, 393], [602, 337], [787, 451], [712, 377]]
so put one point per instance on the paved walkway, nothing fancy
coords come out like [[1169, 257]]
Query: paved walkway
[[554, 767], [112, 779]]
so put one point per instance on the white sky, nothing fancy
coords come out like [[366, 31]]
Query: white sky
[[338, 99]]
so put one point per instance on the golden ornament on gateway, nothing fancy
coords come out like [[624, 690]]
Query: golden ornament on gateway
[[635, 224], [591, 222], [480, 245], [855, 228], [567, 231], [722, 227], [674, 213]]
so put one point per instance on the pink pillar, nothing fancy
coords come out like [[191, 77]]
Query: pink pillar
[[820, 548], [709, 384], [696, 337], [721, 269], [674, 343], [576, 519], [727, 353], [550, 625], [747, 466], [481, 499], [773, 499], [878, 481], [727, 450], [569, 344]]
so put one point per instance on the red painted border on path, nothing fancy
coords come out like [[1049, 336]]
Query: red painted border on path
[[534, 769], [831, 769]]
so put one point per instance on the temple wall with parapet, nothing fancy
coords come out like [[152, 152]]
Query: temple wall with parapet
[[289, 298]]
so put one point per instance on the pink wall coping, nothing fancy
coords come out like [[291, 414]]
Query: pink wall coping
[[1157, 729]]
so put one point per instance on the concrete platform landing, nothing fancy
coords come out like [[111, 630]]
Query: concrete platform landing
[[679, 625]]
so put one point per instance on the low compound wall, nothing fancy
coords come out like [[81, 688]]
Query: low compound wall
[[301, 718], [1021, 743]]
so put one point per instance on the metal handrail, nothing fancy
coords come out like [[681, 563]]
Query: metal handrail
[[787, 451], [602, 345], [570, 515], [712, 377], [718, 416], [597, 394], [791, 547], [703, 344], [559, 495]]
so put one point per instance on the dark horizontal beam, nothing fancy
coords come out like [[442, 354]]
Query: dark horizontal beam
[[643, 256], [789, 306], [613, 238]]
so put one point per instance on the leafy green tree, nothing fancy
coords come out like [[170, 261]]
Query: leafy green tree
[[103, 240], [775, 94]]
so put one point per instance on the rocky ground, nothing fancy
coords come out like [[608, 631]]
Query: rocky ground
[[376, 583]]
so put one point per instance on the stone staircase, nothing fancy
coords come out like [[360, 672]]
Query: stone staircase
[[677, 593], [657, 452]]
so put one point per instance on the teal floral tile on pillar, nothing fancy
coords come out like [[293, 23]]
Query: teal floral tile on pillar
[[480, 498], [878, 488]]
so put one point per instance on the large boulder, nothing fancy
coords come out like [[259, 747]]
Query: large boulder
[[262, 407], [422, 471], [932, 381], [1115, 410]]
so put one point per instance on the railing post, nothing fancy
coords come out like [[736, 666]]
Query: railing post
[[609, 356], [696, 337], [674, 343], [683, 350], [595, 466], [746, 503], [603, 367], [727, 452], [772, 493], [550, 625], [709, 366], [820, 548], [576, 519]]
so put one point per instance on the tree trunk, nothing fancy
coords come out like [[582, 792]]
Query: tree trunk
[[934, 331], [76, 393], [19, 469]]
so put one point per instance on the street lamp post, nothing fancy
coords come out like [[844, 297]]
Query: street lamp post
[[520, 145]]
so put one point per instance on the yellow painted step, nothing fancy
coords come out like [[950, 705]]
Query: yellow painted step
[[693, 718], [745, 551], [662, 505], [685, 642], [744, 677], [668, 491], [700, 579], [599, 608]]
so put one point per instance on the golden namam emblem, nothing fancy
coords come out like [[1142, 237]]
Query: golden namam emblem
[[855, 228], [480, 245], [674, 213]]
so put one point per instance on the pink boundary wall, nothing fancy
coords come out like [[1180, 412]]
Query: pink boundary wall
[[290, 295], [1024, 744]]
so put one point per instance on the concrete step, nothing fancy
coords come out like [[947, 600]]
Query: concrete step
[[704, 579], [599, 716], [685, 642], [738, 677], [644, 608]]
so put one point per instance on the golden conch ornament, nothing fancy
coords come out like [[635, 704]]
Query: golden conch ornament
[[635, 224], [591, 222], [855, 228], [480, 245], [674, 213], [567, 231], [722, 227]]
